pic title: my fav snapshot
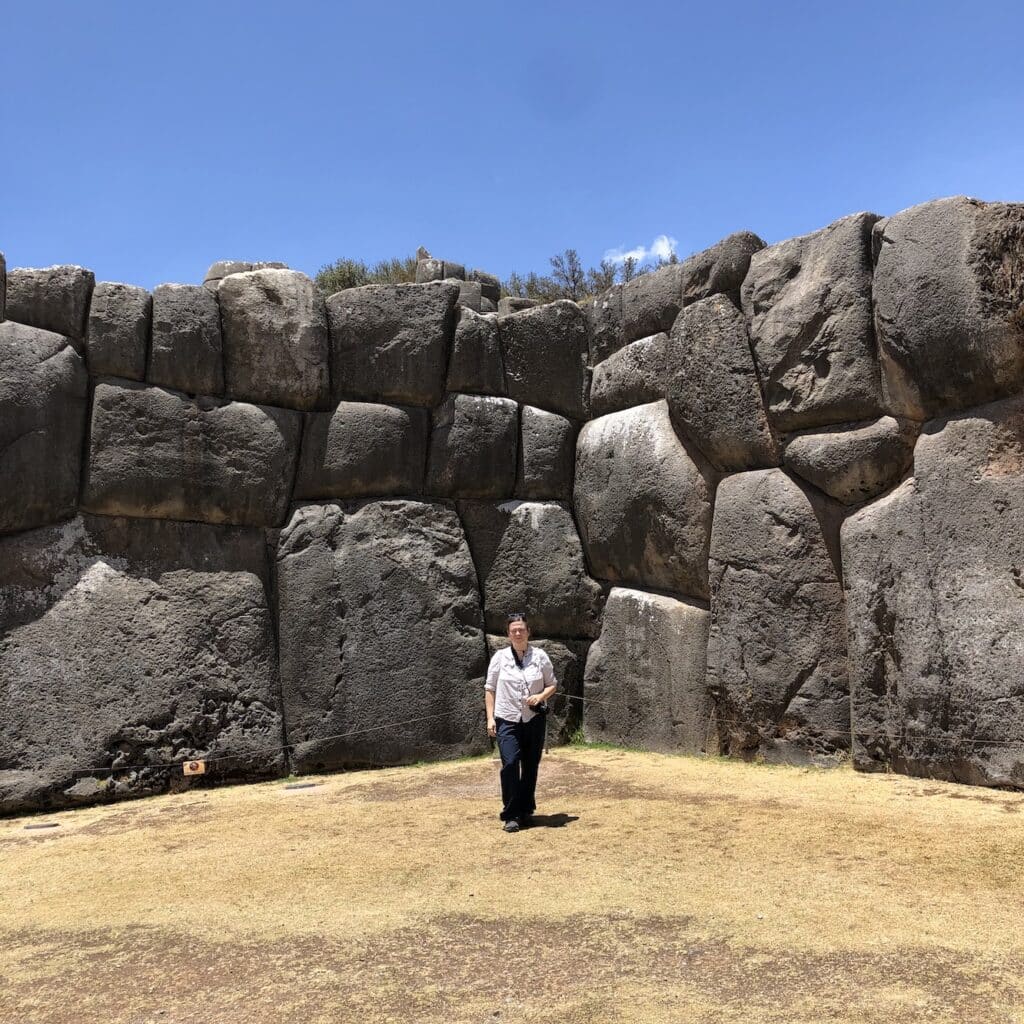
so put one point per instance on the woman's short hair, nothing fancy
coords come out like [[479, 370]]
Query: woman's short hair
[[517, 617]]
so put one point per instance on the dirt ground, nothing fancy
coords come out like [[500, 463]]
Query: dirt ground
[[654, 888]]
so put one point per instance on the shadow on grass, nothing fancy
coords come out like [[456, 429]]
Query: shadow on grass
[[552, 820]]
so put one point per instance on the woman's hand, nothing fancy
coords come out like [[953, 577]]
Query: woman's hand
[[492, 728], [534, 699]]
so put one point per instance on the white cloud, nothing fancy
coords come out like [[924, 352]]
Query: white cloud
[[660, 249]]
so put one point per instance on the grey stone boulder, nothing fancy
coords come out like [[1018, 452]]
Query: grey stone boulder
[[547, 455], [390, 342], [363, 450], [51, 298], [490, 286], [637, 374], [382, 644], [159, 454], [713, 391], [565, 709], [275, 339], [808, 301], [854, 462], [777, 647], [487, 305], [473, 448], [186, 349], [131, 644], [470, 296], [643, 502], [949, 305], [43, 394], [117, 332], [645, 682], [529, 559], [603, 314], [225, 268], [475, 366], [429, 269], [651, 302], [545, 355], [936, 606], [515, 304], [720, 270]]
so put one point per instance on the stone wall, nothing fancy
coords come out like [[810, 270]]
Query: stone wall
[[767, 501]]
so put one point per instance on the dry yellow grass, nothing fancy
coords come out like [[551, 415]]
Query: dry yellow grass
[[677, 889]]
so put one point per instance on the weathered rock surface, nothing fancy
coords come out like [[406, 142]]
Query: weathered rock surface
[[949, 304], [163, 637], [390, 342], [545, 354], [720, 270], [473, 448], [603, 314], [777, 647], [470, 296], [651, 302], [645, 682], [643, 503], [808, 301], [568, 658], [547, 455], [714, 393], [637, 374], [514, 304], [363, 450], [43, 387], [854, 462], [186, 351], [117, 331], [936, 606], [382, 644], [51, 298], [275, 339], [476, 366], [225, 268], [529, 559], [490, 286], [158, 454]]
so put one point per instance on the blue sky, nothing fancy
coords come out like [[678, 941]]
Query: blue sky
[[145, 141]]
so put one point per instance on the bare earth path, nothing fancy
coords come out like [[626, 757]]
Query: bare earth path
[[660, 889]]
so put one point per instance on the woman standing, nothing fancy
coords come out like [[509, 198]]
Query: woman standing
[[520, 679]]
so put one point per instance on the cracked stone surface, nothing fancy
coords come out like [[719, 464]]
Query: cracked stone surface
[[777, 647], [163, 637], [380, 622]]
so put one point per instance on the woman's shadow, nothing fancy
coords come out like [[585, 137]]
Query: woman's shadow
[[551, 820]]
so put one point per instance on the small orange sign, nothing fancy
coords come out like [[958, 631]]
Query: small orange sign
[[194, 768]]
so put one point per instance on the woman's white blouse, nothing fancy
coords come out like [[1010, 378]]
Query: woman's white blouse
[[511, 685]]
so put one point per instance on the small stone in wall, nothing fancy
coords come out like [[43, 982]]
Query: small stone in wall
[[117, 334]]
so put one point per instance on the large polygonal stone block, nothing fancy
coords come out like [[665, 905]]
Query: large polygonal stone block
[[275, 339], [808, 301], [161, 455], [186, 352], [51, 298], [129, 644], [473, 448], [43, 388], [382, 645], [362, 449], [117, 332], [643, 502], [390, 342], [949, 305], [476, 365], [636, 374], [547, 455], [720, 269], [645, 682]]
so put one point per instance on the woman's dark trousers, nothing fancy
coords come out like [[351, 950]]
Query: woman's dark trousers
[[520, 745]]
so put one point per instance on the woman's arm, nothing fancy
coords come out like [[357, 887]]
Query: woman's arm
[[492, 728]]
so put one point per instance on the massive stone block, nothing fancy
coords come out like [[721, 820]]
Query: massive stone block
[[603, 314], [651, 302], [185, 352], [529, 559], [476, 365], [808, 301], [51, 298], [854, 462], [275, 339], [363, 450], [545, 353], [949, 304], [117, 331], [643, 502], [158, 454], [390, 342], [473, 448], [225, 268], [777, 647], [547, 455], [43, 386], [720, 270], [645, 682], [381, 633], [568, 658], [637, 374], [714, 393], [936, 606], [128, 643]]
